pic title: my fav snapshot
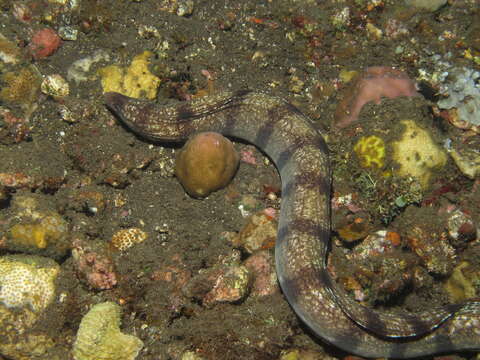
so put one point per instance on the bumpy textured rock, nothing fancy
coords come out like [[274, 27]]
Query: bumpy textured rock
[[206, 163], [232, 285], [94, 264], [27, 288], [99, 336], [27, 280], [262, 266], [44, 43]]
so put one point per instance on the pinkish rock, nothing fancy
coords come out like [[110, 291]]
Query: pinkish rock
[[376, 82], [232, 285], [248, 156], [219, 284], [259, 233], [261, 264], [94, 265], [44, 43], [461, 228]]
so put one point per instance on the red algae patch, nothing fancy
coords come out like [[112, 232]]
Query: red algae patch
[[44, 43], [373, 84]]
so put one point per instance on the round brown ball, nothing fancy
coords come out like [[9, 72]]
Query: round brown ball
[[206, 163]]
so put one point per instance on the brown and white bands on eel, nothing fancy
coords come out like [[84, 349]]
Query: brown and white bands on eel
[[301, 157]]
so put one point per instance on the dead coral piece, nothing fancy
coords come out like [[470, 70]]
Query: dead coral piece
[[99, 336], [19, 180], [27, 289], [461, 228], [50, 228], [27, 280], [375, 82], [460, 286], [126, 238], [219, 284], [206, 163], [9, 52], [417, 153], [468, 161]]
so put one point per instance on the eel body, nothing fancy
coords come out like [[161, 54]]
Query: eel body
[[301, 157]]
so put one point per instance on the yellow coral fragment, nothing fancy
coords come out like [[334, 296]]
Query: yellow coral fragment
[[99, 336], [370, 151], [135, 81]]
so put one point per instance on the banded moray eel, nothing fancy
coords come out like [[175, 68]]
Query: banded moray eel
[[301, 157]]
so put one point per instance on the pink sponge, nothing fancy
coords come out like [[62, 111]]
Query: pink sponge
[[373, 84]]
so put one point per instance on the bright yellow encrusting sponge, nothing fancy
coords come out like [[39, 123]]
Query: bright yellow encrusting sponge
[[135, 81], [370, 151], [417, 153]]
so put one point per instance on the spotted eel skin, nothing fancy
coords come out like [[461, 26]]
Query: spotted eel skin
[[301, 157]]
